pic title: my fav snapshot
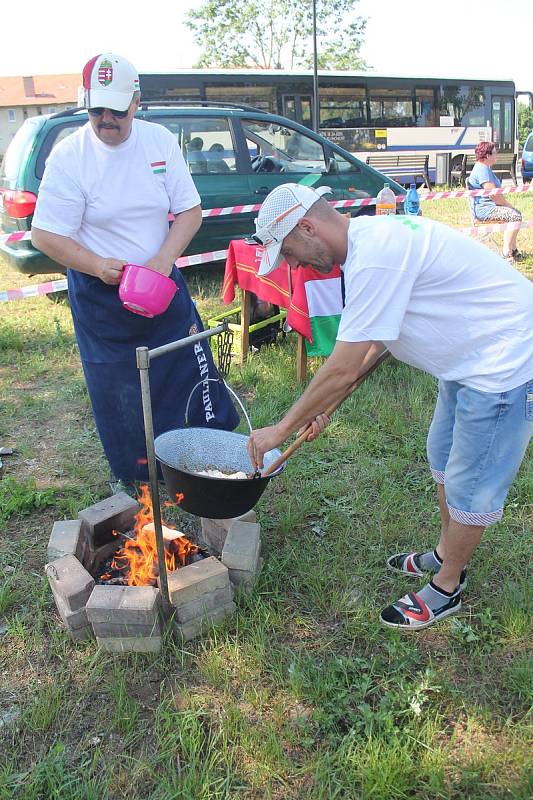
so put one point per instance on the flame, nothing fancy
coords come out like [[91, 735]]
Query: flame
[[138, 556]]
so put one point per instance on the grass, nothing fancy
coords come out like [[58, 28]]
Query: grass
[[301, 693]]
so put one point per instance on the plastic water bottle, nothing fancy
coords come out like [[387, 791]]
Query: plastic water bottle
[[412, 202], [386, 201]]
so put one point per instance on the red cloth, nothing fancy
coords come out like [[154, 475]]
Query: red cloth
[[242, 263]]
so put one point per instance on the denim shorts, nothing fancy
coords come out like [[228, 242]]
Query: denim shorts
[[476, 443]]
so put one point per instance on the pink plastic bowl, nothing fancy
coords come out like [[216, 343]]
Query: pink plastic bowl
[[145, 291]]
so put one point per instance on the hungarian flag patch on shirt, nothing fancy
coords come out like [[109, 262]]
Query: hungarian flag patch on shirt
[[158, 167]]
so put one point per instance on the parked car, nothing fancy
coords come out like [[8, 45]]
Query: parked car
[[527, 159], [236, 155]]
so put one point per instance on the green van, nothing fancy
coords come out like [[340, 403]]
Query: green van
[[236, 155]]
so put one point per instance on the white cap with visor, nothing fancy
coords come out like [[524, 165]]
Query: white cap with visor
[[109, 81], [280, 213]]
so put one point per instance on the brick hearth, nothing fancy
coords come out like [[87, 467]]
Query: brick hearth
[[128, 618]]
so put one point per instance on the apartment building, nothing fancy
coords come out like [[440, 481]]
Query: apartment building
[[26, 96]]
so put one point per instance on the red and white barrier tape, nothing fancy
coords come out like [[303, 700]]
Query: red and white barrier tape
[[24, 236], [217, 255], [201, 258], [217, 212], [50, 287], [474, 192], [36, 290]]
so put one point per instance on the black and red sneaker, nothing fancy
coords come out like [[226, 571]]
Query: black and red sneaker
[[410, 612], [409, 564]]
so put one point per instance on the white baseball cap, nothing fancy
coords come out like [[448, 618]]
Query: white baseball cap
[[109, 81], [280, 213]]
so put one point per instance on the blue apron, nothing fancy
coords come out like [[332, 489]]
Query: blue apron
[[108, 336]]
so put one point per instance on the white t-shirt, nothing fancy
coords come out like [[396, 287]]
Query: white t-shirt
[[114, 200], [439, 301]]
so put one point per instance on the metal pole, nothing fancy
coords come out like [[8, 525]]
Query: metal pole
[[178, 343], [143, 363], [315, 74], [144, 355]]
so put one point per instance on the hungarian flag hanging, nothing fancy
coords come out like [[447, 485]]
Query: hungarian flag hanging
[[324, 302], [321, 296]]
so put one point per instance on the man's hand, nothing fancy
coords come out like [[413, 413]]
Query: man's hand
[[110, 270], [261, 441], [315, 428]]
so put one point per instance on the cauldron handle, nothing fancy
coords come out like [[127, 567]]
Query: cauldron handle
[[230, 390]]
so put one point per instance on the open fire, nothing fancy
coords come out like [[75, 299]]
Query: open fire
[[135, 563]]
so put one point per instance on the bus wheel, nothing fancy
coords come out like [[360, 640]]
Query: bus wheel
[[456, 166]]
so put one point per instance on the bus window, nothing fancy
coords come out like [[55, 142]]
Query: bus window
[[425, 108], [262, 97], [298, 107], [307, 111], [278, 148], [153, 94], [342, 107], [391, 107], [466, 104]]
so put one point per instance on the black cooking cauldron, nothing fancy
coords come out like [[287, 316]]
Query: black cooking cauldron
[[185, 451]]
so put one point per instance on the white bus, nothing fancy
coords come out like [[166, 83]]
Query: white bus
[[363, 113]]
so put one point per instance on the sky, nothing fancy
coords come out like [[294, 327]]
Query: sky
[[448, 38]]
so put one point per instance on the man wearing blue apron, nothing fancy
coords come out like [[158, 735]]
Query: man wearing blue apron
[[104, 202]]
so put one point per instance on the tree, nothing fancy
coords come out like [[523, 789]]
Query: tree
[[277, 34]]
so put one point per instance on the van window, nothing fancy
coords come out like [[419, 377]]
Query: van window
[[206, 142], [16, 154], [528, 147], [55, 135], [342, 165], [282, 149]]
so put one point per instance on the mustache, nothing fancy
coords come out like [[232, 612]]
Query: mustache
[[108, 126]]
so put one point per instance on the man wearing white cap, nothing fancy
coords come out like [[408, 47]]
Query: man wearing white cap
[[104, 202], [445, 304]]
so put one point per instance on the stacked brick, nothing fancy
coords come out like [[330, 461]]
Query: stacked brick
[[201, 595], [127, 618], [215, 531], [71, 586], [241, 552]]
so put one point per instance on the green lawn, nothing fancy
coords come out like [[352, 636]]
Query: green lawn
[[302, 694]]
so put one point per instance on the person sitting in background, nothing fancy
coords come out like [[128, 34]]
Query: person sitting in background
[[215, 159], [195, 158], [494, 208]]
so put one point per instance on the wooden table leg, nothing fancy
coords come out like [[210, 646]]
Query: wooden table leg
[[245, 325], [301, 360]]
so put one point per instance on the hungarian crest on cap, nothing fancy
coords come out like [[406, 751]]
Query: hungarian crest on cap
[[105, 72]]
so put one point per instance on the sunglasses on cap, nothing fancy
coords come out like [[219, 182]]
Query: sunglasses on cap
[[264, 236], [262, 240], [98, 112]]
